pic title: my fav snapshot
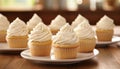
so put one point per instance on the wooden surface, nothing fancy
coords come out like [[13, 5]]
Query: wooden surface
[[108, 58]]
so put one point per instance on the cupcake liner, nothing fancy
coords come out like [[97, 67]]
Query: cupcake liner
[[17, 41], [2, 36], [87, 45], [61, 52], [104, 35], [40, 48]]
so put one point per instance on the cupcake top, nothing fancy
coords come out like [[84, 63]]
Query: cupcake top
[[105, 23], [40, 33], [4, 23], [84, 30], [78, 20], [17, 28], [33, 21], [66, 36], [57, 23]]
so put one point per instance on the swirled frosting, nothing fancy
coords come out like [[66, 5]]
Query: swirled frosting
[[17, 28], [78, 20], [65, 36], [105, 23], [4, 23], [57, 23], [40, 33], [33, 21], [84, 30]]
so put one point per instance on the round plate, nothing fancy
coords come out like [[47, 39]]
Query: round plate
[[51, 59], [5, 48], [115, 39]]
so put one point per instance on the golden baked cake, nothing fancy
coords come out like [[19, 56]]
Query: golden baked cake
[[40, 40], [65, 43], [86, 37], [105, 29], [4, 24], [17, 34]]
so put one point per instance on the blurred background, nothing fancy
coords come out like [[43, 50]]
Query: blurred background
[[93, 10]]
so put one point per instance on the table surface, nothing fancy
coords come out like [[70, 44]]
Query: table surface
[[109, 57]]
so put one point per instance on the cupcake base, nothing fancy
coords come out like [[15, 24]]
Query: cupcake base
[[17, 41], [2, 36], [40, 48], [65, 51], [87, 45], [104, 35]]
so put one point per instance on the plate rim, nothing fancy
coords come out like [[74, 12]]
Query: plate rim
[[56, 60], [6, 48], [108, 42]]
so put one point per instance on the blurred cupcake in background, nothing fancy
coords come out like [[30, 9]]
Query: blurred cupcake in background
[[4, 24], [78, 20], [33, 22], [86, 37], [56, 24], [17, 34], [105, 29], [65, 43], [40, 40]]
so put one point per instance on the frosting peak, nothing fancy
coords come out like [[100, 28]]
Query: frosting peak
[[33, 21], [78, 20], [84, 30], [105, 23], [65, 36], [40, 33], [58, 22], [4, 23], [17, 28]]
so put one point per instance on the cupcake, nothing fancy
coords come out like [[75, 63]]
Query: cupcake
[[86, 37], [17, 34], [4, 23], [105, 29], [40, 40], [65, 43], [78, 20], [56, 24], [33, 22]]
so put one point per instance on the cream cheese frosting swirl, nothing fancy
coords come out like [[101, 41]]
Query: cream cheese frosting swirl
[[105, 23], [40, 33], [65, 36], [78, 20], [4, 23], [33, 21], [17, 28], [58, 22], [84, 30]]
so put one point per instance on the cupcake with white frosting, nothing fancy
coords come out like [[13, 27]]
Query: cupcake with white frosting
[[40, 40], [4, 24], [86, 37], [65, 43], [33, 22], [57, 23], [105, 29], [17, 34], [78, 20]]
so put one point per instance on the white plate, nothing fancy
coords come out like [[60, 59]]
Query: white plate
[[51, 60], [115, 39], [5, 48]]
